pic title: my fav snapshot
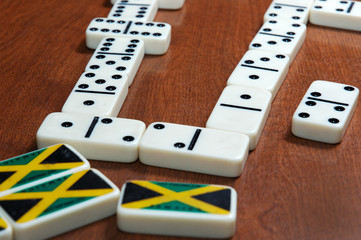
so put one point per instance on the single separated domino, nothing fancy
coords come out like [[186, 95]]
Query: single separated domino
[[98, 93], [39, 166], [156, 36], [280, 37], [6, 231], [60, 205], [100, 138], [325, 111], [243, 110], [177, 209], [139, 10], [171, 4], [337, 13], [194, 149], [261, 69], [289, 11], [117, 55]]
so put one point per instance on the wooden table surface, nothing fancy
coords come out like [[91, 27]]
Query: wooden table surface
[[291, 188]]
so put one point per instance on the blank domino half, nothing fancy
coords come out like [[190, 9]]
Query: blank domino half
[[99, 138], [243, 110], [261, 69], [6, 231], [140, 10], [60, 205], [194, 149], [98, 93], [280, 37], [337, 13], [156, 35], [117, 55], [38, 166], [177, 209], [325, 111]]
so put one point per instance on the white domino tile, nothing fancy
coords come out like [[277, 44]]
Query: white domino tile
[[177, 209], [261, 69], [60, 205], [171, 4], [337, 13], [98, 138], [156, 35], [243, 110], [280, 37], [325, 111], [39, 166], [117, 55], [290, 11], [98, 93], [139, 10], [194, 149]]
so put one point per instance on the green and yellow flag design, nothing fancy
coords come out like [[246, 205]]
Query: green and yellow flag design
[[54, 196], [183, 197], [36, 165]]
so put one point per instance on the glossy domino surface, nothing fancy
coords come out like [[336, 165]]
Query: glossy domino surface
[[261, 69], [98, 93], [155, 35], [118, 56], [325, 111], [39, 166], [96, 137], [197, 210], [337, 13], [194, 149], [60, 205]]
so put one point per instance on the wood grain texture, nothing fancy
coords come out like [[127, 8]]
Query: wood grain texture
[[291, 188]]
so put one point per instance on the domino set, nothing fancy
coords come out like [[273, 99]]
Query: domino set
[[51, 191], [58, 191]]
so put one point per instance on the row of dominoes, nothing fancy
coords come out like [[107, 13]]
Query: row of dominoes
[[53, 190], [327, 108]]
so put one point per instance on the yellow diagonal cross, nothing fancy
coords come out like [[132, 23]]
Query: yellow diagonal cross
[[22, 170], [184, 197], [48, 198]]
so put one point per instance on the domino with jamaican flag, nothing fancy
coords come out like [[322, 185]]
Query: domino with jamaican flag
[[6, 232], [178, 209], [62, 204], [39, 166]]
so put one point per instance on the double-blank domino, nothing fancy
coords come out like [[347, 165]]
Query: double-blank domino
[[261, 69], [177, 209], [280, 37], [99, 138], [194, 149], [98, 93], [140, 10], [289, 11], [243, 110], [117, 55], [38, 166], [325, 111], [155, 35], [60, 205], [337, 13]]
